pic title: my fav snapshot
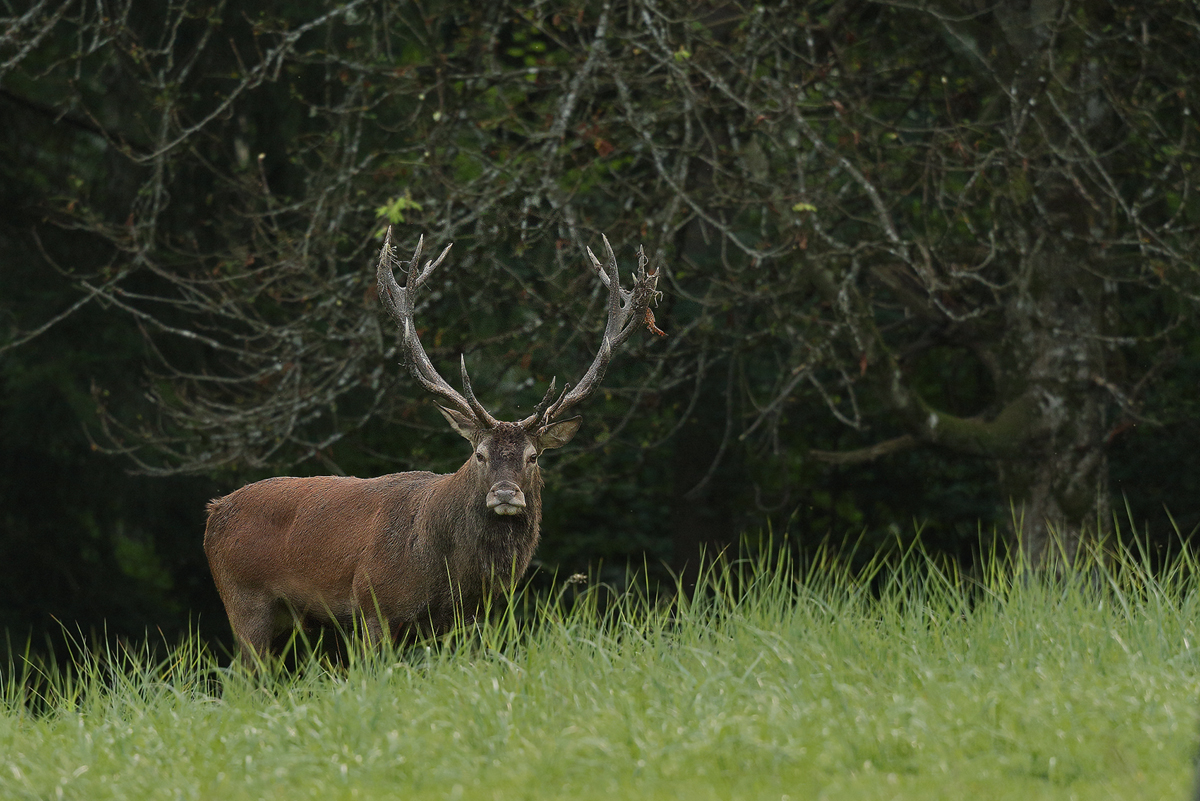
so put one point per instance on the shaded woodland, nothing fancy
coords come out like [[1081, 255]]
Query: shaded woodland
[[928, 270]]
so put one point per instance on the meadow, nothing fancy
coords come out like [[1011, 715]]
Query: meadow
[[909, 680]]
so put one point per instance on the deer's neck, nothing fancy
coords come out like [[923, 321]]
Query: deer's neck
[[462, 521], [483, 553]]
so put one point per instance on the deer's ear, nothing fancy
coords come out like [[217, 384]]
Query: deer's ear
[[460, 423], [558, 434]]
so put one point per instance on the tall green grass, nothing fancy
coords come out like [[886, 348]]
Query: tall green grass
[[775, 681]]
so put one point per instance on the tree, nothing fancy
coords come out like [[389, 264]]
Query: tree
[[949, 224], [1008, 181]]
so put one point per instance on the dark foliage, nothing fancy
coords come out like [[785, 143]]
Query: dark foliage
[[922, 263]]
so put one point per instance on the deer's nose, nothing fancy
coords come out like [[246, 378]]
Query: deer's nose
[[506, 498]]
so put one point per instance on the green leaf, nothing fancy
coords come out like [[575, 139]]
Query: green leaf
[[394, 209]]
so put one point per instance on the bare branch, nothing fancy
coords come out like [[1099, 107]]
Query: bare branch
[[886, 448]]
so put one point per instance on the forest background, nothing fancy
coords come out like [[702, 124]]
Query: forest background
[[927, 268]]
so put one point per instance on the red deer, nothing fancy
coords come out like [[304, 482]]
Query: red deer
[[406, 553]]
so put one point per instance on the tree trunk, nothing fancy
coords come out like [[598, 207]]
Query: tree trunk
[[1048, 434], [1058, 493], [1057, 480]]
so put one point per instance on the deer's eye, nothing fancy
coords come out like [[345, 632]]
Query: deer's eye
[[479, 456], [533, 459]]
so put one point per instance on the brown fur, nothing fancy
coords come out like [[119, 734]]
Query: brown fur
[[401, 553]]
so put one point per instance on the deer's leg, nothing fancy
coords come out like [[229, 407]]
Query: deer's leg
[[253, 622], [374, 629], [373, 614]]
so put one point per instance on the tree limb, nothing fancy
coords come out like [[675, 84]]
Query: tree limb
[[870, 454]]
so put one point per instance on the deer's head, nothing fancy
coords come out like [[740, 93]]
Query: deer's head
[[504, 461]]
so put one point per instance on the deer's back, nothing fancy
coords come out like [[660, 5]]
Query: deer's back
[[289, 529]]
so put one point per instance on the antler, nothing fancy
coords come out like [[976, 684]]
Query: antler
[[627, 309], [398, 300]]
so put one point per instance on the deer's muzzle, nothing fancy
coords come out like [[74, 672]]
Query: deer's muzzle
[[506, 498]]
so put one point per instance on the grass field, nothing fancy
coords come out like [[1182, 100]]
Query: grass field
[[911, 683]]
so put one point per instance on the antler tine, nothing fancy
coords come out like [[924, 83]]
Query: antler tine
[[430, 266], [599, 268], [416, 257], [626, 310], [476, 406], [539, 413], [398, 301]]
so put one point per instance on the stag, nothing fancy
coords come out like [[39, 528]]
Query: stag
[[406, 554]]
